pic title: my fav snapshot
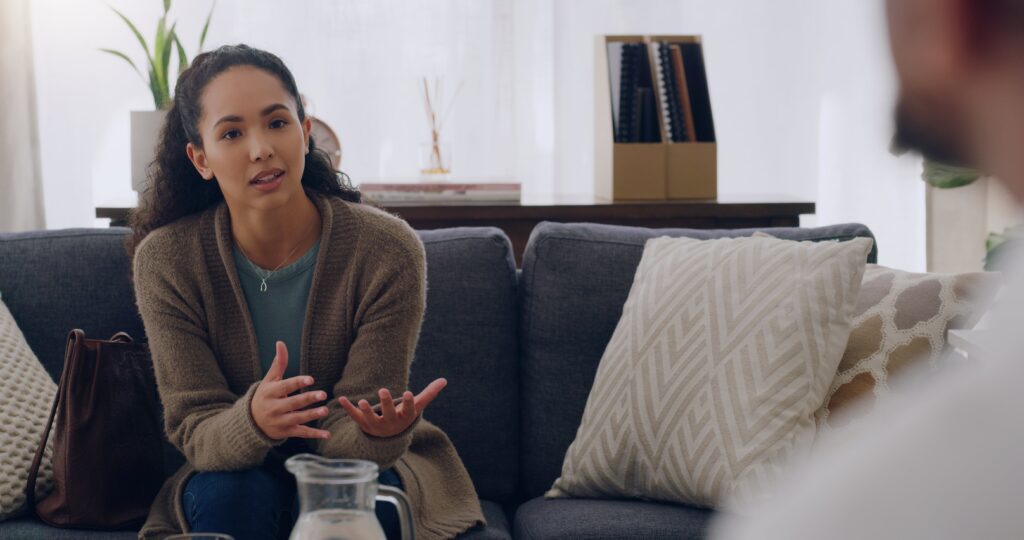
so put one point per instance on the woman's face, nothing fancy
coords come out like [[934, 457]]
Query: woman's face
[[253, 143]]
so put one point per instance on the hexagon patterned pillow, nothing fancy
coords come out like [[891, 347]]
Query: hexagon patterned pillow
[[26, 395], [900, 325]]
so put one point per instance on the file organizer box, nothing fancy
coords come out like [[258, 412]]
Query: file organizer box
[[679, 158]]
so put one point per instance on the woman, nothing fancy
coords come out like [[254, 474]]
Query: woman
[[277, 308]]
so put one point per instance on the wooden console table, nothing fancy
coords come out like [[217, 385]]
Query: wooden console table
[[518, 220]]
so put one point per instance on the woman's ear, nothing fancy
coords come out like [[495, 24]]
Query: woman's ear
[[307, 126], [198, 159]]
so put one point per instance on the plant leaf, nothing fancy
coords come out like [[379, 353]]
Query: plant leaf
[[167, 6], [945, 176], [206, 26], [182, 57], [165, 59], [997, 245], [149, 58], [159, 46], [994, 240], [172, 43], [155, 89], [120, 54], [134, 30]]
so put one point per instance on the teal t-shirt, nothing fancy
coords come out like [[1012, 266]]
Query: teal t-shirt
[[279, 312]]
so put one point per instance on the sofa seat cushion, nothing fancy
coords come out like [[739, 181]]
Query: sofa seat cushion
[[30, 528], [544, 519], [497, 524]]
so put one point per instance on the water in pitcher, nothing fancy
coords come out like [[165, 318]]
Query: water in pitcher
[[338, 525], [337, 498]]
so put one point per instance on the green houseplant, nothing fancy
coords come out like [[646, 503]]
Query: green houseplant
[[145, 125], [158, 60], [945, 176]]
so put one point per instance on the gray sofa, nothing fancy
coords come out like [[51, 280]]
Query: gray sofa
[[520, 350]]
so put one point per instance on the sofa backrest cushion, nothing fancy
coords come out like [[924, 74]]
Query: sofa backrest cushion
[[54, 281], [59, 280], [470, 336], [576, 278]]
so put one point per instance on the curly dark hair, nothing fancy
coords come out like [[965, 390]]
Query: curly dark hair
[[175, 189]]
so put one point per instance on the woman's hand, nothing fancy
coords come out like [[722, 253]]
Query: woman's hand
[[279, 415], [392, 420]]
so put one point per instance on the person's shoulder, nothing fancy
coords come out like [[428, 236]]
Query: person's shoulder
[[382, 228], [170, 243]]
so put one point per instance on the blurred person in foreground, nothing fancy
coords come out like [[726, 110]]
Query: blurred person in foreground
[[948, 461]]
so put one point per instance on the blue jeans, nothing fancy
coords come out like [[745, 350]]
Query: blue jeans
[[259, 503]]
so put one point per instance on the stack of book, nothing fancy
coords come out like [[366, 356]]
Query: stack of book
[[663, 77], [659, 140], [441, 192]]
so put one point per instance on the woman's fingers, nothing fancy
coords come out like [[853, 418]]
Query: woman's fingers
[[370, 416], [408, 406], [367, 410], [387, 405], [349, 407], [307, 432], [305, 417], [392, 418], [292, 385], [301, 401], [279, 365], [429, 394], [353, 412]]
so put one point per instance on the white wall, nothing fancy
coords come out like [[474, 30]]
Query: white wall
[[359, 62], [83, 99], [801, 90], [857, 179]]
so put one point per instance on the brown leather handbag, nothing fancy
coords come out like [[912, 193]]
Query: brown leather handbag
[[107, 441]]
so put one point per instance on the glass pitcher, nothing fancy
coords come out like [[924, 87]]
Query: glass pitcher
[[337, 499]]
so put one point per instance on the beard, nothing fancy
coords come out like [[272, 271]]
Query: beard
[[933, 141]]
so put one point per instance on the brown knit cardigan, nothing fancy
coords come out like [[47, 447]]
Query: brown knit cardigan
[[361, 325]]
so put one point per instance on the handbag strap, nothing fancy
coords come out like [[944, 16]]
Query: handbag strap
[[74, 344], [122, 337]]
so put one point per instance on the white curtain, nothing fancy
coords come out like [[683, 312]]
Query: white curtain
[[21, 198]]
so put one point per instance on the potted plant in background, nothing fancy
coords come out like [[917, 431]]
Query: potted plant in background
[[943, 176], [145, 125]]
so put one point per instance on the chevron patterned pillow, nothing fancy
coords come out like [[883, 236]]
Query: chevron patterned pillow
[[709, 385]]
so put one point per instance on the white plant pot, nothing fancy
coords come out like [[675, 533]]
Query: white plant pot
[[957, 227], [145, 132], [959, 221]]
